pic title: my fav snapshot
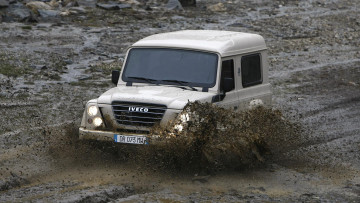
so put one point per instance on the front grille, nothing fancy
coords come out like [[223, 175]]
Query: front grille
[[138, 114]]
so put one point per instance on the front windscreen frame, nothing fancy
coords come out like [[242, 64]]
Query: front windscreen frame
[[179, 70]]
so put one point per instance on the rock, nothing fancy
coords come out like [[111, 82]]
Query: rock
[[112, 6], [12, 182], [217, 7], [84, 77], [19, 12], [4, 3], [65, 13], [54, 76], [201, 179], [54, 3], [48, 13], [39, 67], [87, 3], [75, 10], [352, 83], [148, 8], [262, 189], [174, 5], [31, 19], [36, 5], [188, 2], [68, 61], [240, 25], [121, 6], [70, 3], [133, 2]]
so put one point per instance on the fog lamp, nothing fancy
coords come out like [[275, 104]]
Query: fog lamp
[[92, 110], [97, 121]]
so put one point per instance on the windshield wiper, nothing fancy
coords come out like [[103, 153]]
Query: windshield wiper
[[183, 83], [152, 81]]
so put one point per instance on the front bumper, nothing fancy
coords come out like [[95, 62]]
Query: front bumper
[[85, 134]]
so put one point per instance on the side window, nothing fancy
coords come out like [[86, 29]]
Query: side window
[[251, 70], [227, 76]]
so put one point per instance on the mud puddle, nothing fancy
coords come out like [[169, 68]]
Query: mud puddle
[[49, 69], [216, 140]]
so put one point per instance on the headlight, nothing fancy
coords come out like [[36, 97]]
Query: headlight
[[97, 121], [92, 110]]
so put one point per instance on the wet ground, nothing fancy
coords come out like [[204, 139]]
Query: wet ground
[[50, 68]]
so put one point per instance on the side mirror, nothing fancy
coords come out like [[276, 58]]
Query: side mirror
[[115, 74], [228, 84]]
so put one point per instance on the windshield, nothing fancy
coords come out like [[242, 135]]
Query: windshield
[[171, 66]]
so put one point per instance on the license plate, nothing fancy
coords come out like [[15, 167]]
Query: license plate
[[131, 139]]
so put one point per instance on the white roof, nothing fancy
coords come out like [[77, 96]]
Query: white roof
[[225, 43]]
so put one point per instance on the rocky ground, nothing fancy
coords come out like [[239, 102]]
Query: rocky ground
[[55, 56]]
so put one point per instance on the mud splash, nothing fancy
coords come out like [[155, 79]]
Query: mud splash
[[213, 138], [64, 146]]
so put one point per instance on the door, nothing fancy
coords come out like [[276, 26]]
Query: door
[[253, 82], [228, 85]]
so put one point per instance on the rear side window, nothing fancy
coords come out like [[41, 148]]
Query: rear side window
[[251, 70], [227, 71]]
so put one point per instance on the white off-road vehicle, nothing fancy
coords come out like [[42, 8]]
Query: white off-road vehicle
[[163, 72]]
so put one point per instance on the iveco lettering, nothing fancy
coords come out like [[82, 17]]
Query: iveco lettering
[[139, 109], [163, 72]]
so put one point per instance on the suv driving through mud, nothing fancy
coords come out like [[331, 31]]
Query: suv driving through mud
[[163, 72]]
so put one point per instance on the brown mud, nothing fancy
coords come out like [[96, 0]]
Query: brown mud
[[50, 68], [216, 139]]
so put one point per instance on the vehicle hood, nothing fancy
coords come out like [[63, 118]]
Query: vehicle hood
[[172, 97]]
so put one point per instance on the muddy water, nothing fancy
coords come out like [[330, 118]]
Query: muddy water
[[219, 139], [314, 69]]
